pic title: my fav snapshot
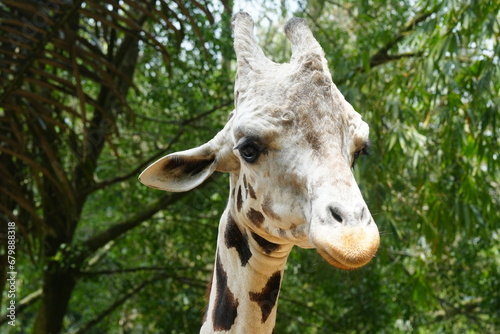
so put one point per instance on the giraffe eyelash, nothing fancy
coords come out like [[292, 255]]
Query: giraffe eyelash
[[365, 150]]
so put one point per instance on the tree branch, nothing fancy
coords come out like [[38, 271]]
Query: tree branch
[[380, 60], [98, 241], [117, 304], [131, 293], [136, 170], [382, 55], [206, 113], [154, 157], [133, 270]]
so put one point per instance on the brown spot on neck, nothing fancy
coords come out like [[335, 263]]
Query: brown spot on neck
[[251, 191], [235, 238], [267, 246], [266, 299], [226, 306], [255, 217], [239, 200], [248, 188]]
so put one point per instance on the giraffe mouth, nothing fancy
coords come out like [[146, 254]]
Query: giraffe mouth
[[343, 265], [347, 248]]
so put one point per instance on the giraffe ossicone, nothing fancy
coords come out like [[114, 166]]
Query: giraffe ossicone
[[289, 147]]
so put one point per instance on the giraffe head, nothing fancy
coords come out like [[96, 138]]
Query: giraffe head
[[289, 145]]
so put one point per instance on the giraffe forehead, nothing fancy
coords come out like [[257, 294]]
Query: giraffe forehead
[[259, 124], [303, 110]]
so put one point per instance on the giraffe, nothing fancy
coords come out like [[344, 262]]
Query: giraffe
[[289, 145]]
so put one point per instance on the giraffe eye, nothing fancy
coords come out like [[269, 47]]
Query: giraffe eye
[[363, 151], [249, 152]]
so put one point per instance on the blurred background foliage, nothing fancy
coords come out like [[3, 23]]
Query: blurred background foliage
[[92, 92]]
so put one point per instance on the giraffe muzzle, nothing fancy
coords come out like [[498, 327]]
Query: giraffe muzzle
[[347, 240]]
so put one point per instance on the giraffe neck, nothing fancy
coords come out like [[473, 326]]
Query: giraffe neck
[[246, 281]]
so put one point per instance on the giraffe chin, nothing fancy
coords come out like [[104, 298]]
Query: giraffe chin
[[338, 264], [350, 248]]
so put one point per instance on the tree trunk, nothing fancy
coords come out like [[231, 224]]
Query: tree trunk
[[58, 283], [60, 277]]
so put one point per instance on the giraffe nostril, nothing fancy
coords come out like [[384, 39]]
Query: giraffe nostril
[[336, 214], [348, 215]]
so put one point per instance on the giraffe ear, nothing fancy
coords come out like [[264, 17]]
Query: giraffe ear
[[180, 171], [185, 170]]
